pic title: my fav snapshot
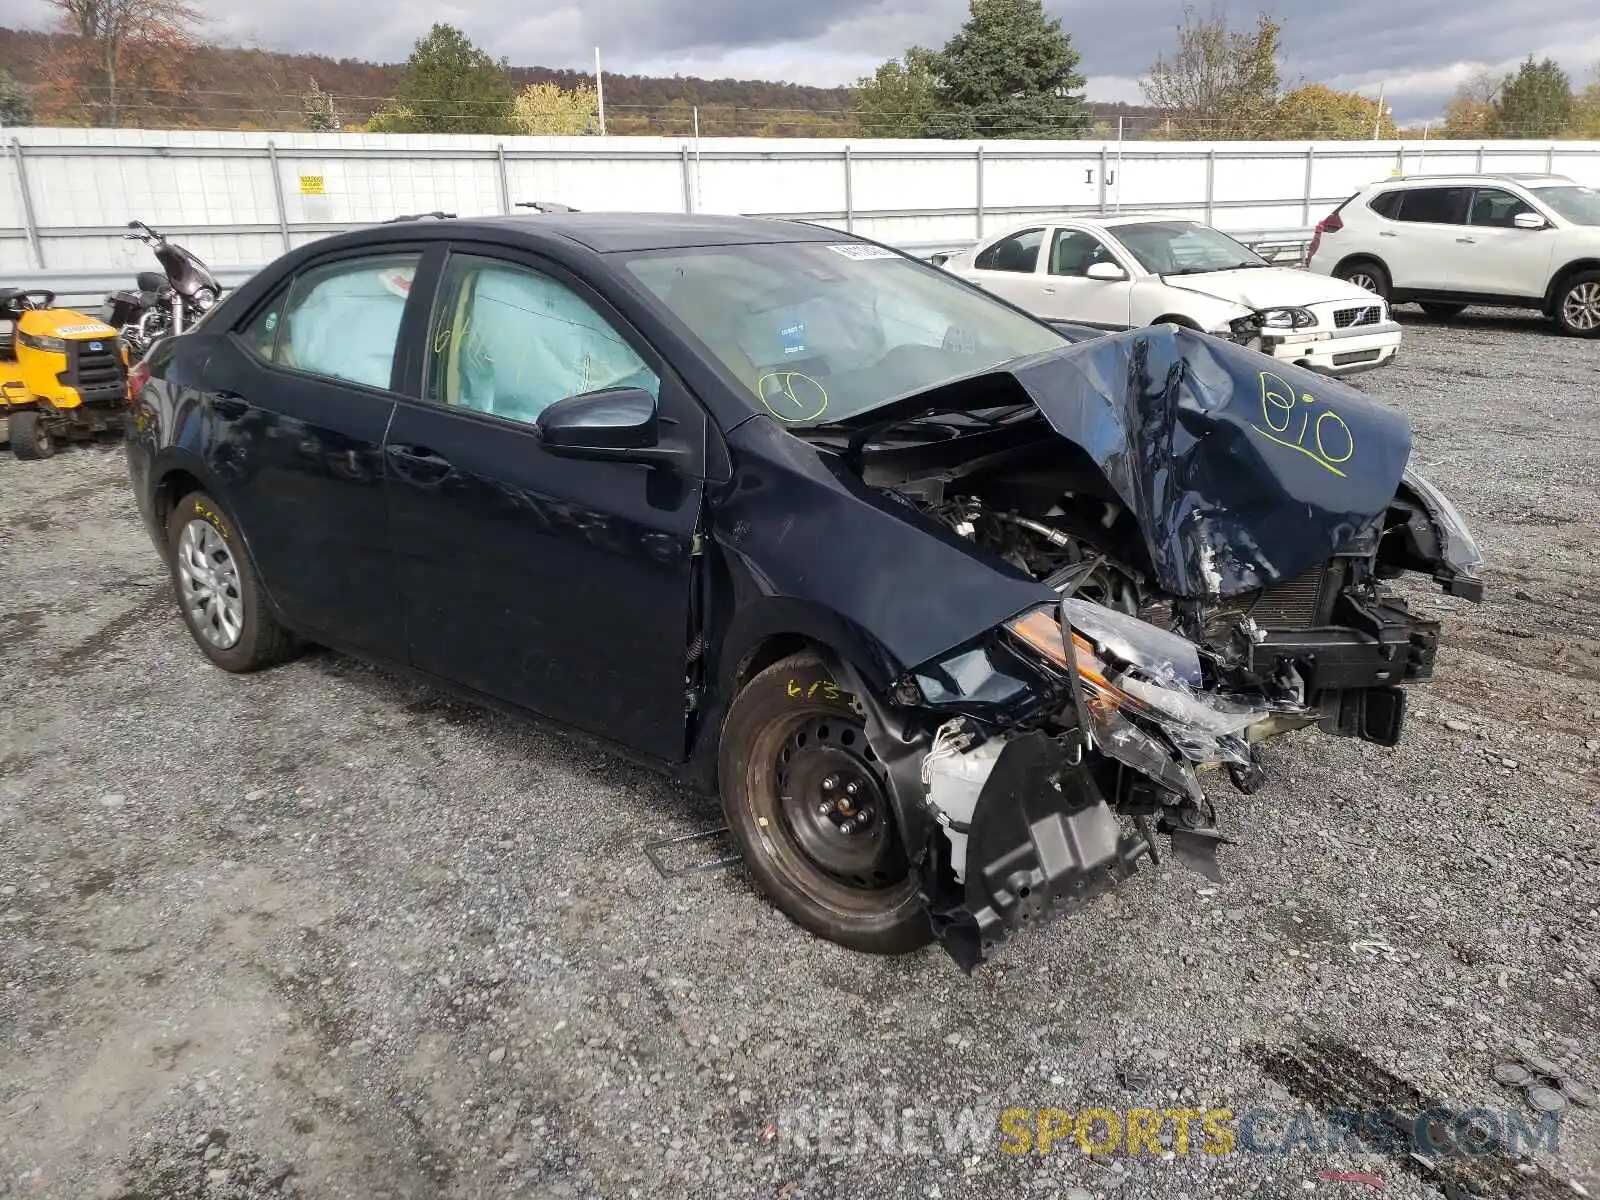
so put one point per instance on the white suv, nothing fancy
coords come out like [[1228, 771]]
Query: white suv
[[1447, 241]]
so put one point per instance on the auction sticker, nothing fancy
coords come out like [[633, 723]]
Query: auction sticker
[[860, 251]]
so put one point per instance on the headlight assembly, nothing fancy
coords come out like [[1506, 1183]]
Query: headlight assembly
[[42, 341], [1135, 676], [1286, 318]]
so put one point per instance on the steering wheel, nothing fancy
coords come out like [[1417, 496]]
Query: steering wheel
[[35, 298]]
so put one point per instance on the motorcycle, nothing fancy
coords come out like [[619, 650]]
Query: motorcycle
[[161, 302]]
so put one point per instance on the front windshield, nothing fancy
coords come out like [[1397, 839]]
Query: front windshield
[[820, 331], [1184, 248], [1580, 205]]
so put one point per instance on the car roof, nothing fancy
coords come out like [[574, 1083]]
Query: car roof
[[612, 232], [1469, 178]]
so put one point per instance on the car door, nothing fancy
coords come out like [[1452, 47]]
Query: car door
[[1425, 246], [556, 584], [1069, 294], [1499, 259], [297, 399], [1010, 268]]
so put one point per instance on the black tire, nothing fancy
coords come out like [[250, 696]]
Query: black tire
[[1366, 273], [261, 641], [875, 909], [1442, 311], [30, 436], [1577, 305]]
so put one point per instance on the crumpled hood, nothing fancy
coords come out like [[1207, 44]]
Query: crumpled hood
[[1270, 287], [1241, 471]]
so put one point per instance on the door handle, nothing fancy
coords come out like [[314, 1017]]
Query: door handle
[[1049, 291], [1387, 233], [229, 404], [1467, 241], [418, 456]]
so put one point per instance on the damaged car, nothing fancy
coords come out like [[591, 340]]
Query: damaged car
[[962, 618]]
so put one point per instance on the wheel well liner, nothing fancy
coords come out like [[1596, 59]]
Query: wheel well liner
[[1176, 319]]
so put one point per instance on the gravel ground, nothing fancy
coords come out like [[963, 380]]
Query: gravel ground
[[320, 932]]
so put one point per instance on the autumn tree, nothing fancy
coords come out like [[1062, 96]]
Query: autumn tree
[[898, 100], [1219, 82], [318, 112], [544, 108], [1586, 110], [1317, 111], [16, 102], [119, 55], [1471, 107], [449, 85], [1010, 71], [1535, 102]]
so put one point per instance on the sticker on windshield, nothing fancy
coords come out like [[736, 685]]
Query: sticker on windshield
[[860, 251], [791, 396], [793, 338]]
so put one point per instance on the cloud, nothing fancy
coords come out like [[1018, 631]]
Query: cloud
[[1417, 51]]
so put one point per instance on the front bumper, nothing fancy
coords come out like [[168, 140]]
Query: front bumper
[[1337, 352]]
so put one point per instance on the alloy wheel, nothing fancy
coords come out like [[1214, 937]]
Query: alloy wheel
[[1364, 279], [1581, 308], [208, 581]]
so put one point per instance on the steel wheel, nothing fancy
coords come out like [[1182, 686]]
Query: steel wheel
[[208, 584], [833, 801], [1580, 309]]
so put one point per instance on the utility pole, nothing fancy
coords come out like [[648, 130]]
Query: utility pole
[[600, 91], [1377, 122]]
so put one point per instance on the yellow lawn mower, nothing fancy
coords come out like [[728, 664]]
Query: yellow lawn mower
[[62, 374]]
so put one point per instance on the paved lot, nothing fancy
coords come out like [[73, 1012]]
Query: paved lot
[[320, 932]]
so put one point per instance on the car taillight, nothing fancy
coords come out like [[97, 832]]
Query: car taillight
[[1331, 223], [138, 376]]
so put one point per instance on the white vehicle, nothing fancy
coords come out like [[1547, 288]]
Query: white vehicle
[[1447, 241], [1126, 271]]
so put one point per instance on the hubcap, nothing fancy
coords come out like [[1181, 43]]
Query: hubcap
[[208, 584], [1363, 280], [1582, 307], [834, 803]]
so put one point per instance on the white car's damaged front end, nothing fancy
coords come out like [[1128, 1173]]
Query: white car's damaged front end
[[1340, 337]]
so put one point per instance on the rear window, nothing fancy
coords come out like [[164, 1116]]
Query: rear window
[[1436, 205], [1386, 204]]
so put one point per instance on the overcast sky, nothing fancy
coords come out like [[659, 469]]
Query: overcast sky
[[1418, 50]]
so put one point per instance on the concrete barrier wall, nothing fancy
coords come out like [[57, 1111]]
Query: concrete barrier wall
[[240, 199]]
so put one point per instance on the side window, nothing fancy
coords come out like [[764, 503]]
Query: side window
[[1386, 204], [260, 332], [509, 341], [343, 318], [1495, 207], [1436, 206], [1019, 252], [1073, 252]]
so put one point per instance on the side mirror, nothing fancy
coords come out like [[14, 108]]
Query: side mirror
[[618, 424], [1106, 272], [1528, 220]]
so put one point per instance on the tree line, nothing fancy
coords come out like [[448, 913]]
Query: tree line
[[1009, 71]]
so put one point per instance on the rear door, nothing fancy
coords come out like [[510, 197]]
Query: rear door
[[1011, 268], [1424, 248], [1069, 294], [556, 584], [1500, 259], [297, 399]]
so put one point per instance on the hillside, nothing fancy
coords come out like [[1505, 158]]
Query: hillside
[[238, 88]]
